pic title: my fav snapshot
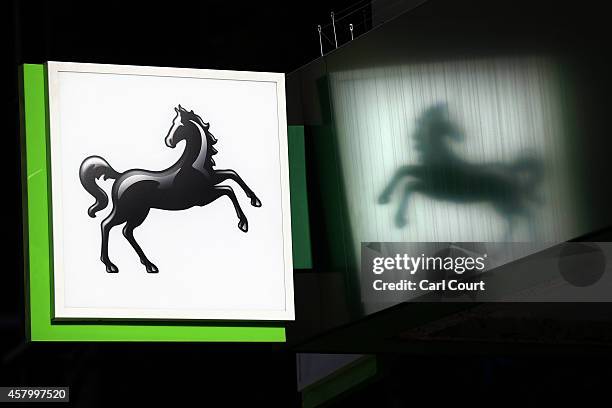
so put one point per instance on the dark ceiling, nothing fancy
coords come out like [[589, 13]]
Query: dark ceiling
[[205, 34]]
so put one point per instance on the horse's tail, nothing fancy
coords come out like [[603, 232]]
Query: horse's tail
[[92, 168]]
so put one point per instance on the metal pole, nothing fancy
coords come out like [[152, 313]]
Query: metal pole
[[320, 41], [334, 25], [351, 28]]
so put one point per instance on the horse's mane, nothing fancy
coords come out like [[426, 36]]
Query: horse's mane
[[210, 140]]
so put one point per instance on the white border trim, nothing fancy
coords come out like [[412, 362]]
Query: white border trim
[[53, 69]]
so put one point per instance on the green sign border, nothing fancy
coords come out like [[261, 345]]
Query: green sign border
[[38, 250]]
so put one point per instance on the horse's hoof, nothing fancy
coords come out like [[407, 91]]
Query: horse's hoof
[[400, 222], [243, 225], [151, 268], [255, 202], [110, 268], [383, 199]]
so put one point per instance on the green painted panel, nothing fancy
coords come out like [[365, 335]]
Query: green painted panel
[[300, 222]]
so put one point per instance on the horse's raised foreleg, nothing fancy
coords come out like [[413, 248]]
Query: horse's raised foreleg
[[400, 216], [222, 175], [402, 172], [218, 191], [107, 224], [128, 233]]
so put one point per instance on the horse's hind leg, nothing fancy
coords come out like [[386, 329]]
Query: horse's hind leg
[[222, 175], [107, 224], [531, 226], [128, 233], [402, 172], [510, 220]]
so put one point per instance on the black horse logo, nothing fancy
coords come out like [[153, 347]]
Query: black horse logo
[[191, 181], [511, 188]]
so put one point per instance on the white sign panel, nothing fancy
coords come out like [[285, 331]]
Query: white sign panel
[[170, 193]]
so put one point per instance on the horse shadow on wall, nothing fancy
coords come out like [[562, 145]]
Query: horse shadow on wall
[[191, 181], [510, 188]]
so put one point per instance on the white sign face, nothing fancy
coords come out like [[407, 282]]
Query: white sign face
[[170, 193]]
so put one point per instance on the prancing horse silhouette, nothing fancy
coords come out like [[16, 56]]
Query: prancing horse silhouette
[[511, 188], [191, 181]]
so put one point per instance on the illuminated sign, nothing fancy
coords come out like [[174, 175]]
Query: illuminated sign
[[169, 193]]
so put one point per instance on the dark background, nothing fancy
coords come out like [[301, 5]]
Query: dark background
[[270, 37]]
